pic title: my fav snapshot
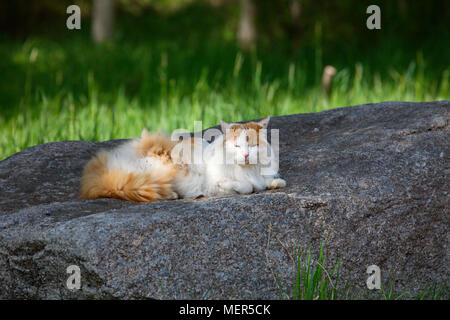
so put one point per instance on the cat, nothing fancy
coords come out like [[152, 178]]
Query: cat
[[153, 167]]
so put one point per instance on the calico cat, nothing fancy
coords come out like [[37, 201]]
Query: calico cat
[[154, 167]]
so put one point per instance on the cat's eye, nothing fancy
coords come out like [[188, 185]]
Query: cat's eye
[[237, 146]]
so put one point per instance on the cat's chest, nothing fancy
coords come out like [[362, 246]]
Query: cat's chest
[[241, 173]]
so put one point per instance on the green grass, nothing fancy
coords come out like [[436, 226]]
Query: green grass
[[64, 88], [312, 280], [315, 279]]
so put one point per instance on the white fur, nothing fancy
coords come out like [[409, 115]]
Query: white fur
[[224, 170], [126, 159], [220, 171]]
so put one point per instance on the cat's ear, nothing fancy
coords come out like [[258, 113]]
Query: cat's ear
[[224, 126], [264, 122], [144, 133]]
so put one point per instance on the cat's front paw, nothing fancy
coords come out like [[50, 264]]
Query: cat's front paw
[[243, 188], [276, 184], [234, 186], [173, 196]]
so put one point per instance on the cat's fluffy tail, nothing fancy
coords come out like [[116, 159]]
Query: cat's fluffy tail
[[99, 181]]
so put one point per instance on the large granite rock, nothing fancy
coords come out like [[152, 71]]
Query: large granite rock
[[371, 180]]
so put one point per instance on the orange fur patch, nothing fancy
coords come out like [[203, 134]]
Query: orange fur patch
[[252, 129], [100, 182], [155, 145]]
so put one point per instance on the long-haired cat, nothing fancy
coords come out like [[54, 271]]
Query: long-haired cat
[[154, 167]]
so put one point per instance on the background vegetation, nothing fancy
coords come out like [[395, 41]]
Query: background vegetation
[[170, 62]]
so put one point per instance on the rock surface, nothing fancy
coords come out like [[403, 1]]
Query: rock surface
[[371, 180]]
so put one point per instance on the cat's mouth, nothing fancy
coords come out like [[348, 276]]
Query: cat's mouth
[[245, 162]]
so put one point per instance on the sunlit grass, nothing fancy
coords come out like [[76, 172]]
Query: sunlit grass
[[314, 278], [71, 90]]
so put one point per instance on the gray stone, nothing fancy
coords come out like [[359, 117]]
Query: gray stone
[[371, 180]]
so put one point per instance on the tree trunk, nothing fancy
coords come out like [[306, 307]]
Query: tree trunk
[[102, 20], [295, 9], [247, 28], [327, 79]]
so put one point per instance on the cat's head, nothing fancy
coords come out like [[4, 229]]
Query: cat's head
[[243, 141]]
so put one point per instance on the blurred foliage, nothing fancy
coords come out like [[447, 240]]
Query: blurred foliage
[[138, 6], [173, 62], [342, 20]]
